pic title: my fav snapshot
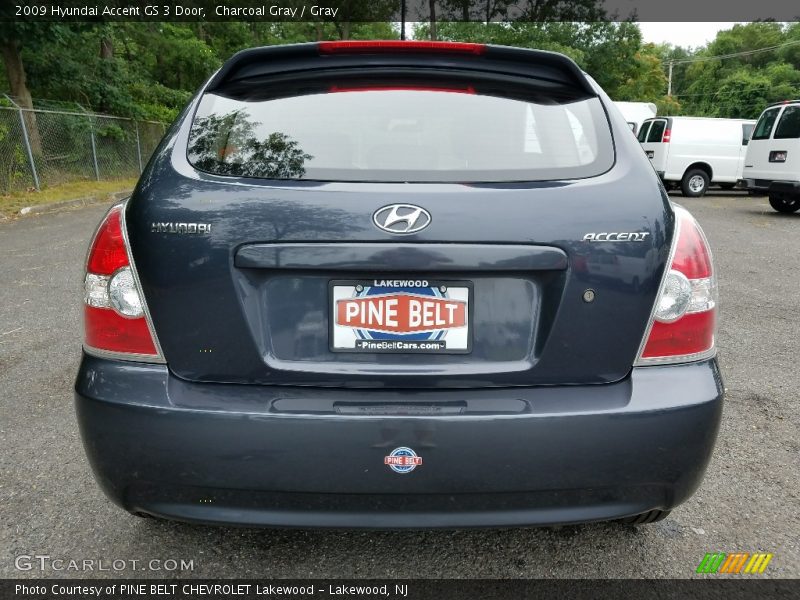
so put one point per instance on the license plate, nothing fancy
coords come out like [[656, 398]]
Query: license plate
[[401, 315]]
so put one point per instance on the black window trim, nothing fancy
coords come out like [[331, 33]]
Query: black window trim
[[778, 111], [666, 126], [645, 129], [779, 120], [746, 136]]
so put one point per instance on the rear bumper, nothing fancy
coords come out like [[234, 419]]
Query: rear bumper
[[311, 457], [770, 186]]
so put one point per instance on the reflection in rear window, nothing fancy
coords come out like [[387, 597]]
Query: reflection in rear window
[[400, 135], [789, 125], [747, 131]]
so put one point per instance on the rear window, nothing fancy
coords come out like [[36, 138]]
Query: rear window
[[643, 131], [656, 131], [765, 123], [747, 130], [789, 125], [400, 135]]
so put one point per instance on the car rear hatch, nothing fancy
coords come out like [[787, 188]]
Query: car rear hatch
[[414, 216], [655, 142], [775, 155]]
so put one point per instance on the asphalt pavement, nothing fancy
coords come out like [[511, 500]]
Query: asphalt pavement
[[51, 506]]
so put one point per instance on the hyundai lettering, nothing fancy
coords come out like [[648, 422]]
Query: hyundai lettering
[[399, 285]]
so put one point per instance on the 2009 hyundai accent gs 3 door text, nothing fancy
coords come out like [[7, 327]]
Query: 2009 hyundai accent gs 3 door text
[[399, 284]]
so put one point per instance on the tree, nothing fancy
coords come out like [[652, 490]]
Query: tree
[[644, 80], [432, 20], [737, 78], [13, 35], [610, 52], [230, 145], [676, 55], [107, 43], [149, 70]]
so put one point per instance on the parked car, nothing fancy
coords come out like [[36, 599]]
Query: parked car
[[695, 152], [353, 288], [772, 166], [636, 113]]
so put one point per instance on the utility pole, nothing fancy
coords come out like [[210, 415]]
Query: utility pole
[[403, 19], [669, 80]]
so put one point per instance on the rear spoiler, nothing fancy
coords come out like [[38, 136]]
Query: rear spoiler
[[551, 73]]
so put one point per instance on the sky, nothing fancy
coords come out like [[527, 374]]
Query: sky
[[682, 34]]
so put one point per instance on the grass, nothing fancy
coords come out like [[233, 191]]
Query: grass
[[14, 202]]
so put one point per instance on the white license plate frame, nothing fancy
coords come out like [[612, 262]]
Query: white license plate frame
[[425, 305]]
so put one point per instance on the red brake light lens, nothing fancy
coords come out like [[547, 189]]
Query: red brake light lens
[[109, 331], [684, 322], [401, 88], [107, 253], [692, 334], [372, 47], [114, 310], [667, 135], [692, 256]]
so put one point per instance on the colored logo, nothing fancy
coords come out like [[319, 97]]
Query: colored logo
[[402, 460], [737, 562], [400, 315]]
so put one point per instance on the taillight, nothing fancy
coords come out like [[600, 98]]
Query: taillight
[[401, 88], [667, 135], [684, 319], [378, 46], [115, 319]]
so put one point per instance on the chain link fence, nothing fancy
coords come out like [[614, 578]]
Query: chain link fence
[[43, 147]]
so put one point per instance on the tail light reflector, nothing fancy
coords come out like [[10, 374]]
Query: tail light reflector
[[684, 320], [373, 47], [115, 319], [667, 135]]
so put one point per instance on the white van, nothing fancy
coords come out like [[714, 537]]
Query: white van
[[636, 113], [695, 152], [772, 165]]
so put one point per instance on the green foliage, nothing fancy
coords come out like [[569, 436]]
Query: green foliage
[[153, 68], [612, 53], [150, 70], [644, 78], [172, 55], [229, 145], [112, 133], [514, 10], [741, 86], [13, 170]]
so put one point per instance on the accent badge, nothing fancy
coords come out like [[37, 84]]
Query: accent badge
[[402, 460]]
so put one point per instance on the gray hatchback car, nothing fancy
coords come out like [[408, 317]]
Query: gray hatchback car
[[399, 284]]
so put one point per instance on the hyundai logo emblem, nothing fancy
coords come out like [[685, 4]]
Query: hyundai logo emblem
[[402, 218]]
